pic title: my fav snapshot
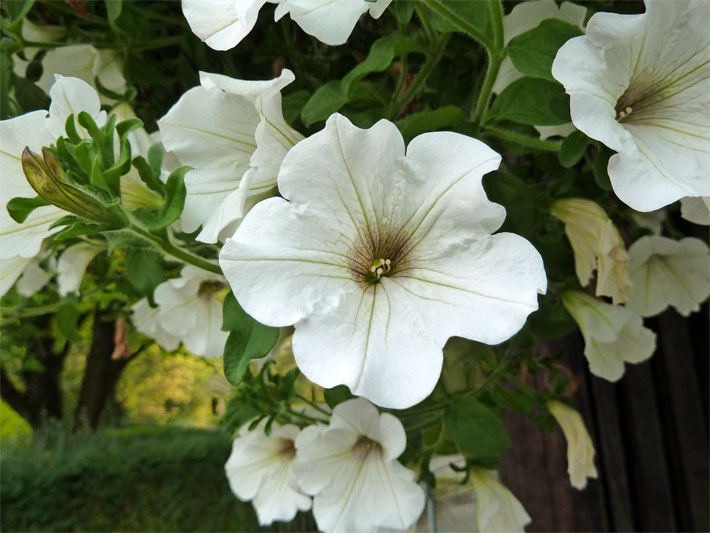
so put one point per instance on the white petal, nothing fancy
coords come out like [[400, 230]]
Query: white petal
[[145, 320], [33, 278], [497, 509], [667, 272], [26, 239], [595, 318], [580, 449], [11, 269], [71, 96], [696, 209], [221, 24], [72, 265]]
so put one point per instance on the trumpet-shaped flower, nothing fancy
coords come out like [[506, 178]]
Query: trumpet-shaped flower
[[667, 272], [597, 246], [351, 469], [222, 24], [72, 264], [612, 334], [234, 135], [378, 258], [146, 319], [641, 85], [497, 509], [260, 469], [696, 209], [189, 309], [580, 449]]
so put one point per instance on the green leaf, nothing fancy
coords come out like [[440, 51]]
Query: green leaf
[[532, 101], [336, 395], [67, 319], [248, 339], [113, 11], [403, 10], [472, 18], [148, 174], [573, 149], [476, 430], [20, 208], [174, 199], [81, 228], [293, 103], [513, 399], [599, 167], [144, 271], [533, 52], [430, 120], [155, 160], [323, 103], [17, 9]]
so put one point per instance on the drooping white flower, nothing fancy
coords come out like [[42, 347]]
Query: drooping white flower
[[378, 258], [497, 509], [222, 24], [597, 246], [260, 469], [696, 209], [613, 334], [11, 269], [580, 449], [641, 85], [666, 273], [34, 277], [234, 135], [189, 309], [72, 264], [351, 469]]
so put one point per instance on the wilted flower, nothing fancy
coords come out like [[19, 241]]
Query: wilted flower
[[641, 85], [497, 509], [260, 469], [667, 272], [597, 246], [613, 334], [580, 449], [378, 258], [234, 135], [351, 469]]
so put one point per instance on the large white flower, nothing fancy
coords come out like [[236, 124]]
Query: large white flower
[[189, 309], [222, 24], [497, 509], [234, 135], [351, 469], [613, 334], [260, 469], [667, 272], [597, 246], [580, 449], [641, 85], [377, 258]]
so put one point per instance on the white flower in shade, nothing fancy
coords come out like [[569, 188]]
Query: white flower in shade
[[668, 272], [234, 135], [597, 246], [146, 319], [72, 265], [222, 24], [696, 209], [10, 270], [641, 85], [612, 334], [378, 258], [34, 278], [580, 449], [191, 310], [260, 469], [497, 509], [351, 469]]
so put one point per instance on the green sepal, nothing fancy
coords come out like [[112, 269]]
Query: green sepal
[[20, 208]]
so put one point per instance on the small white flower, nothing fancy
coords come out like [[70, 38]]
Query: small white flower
[[641, 85], [351, 469], [260, 469], [34, 277], [580, 449], [597, 246], [497, 509], [234, 135], [378, 258], [696, 209], [612, 334], [72, 264], [222, 24], [667, 272], [146, 320]]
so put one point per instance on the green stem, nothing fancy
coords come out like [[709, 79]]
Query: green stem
[[313, 404], [496, 54], [305, 417], [526, 140], [496, 10], [455, 20], [424, 18], [176, 252]]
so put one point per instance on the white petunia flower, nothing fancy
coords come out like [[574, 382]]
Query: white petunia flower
[[234, 135], [72, 265], [667, 272], [377, 258], [696, 209], [612, 334], [33, 278], [222, 24], [11, 269], [497, 509], [641, 85], [146, 320], [597, 246], [580, 449], [351, 469], [260, 469]]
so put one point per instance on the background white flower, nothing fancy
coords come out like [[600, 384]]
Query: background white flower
[[696, 209], [497, 509], [234, 135], [378, 258], [260, 469], [72, 264], [580, 449], [351, 468], [668, 272], [641, 85]]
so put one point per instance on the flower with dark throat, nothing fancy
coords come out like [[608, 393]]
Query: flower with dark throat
[[377, 258]]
